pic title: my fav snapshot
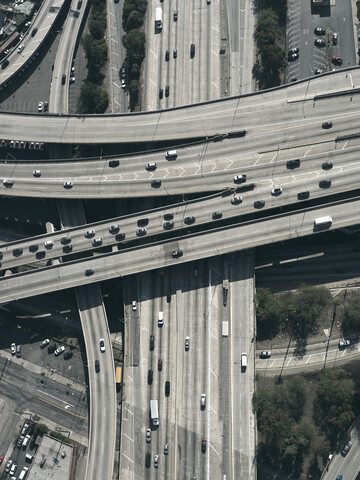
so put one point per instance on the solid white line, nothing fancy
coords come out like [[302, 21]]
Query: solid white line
[[55, 398]]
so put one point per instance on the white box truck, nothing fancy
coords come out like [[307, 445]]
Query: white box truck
[[158, 18], [323, 222], [161, 319], [154, 411]]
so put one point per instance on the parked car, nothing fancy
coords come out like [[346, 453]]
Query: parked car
[[319, 42], [344, 343], [44, 343], [337, 60], [265, 354], [13, 349], [319, 31], [346, 449], [335, 38], [59, 350]]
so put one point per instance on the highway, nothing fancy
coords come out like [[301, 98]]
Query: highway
[[212, 243], [290, 105]]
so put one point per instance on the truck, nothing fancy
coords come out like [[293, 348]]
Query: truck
[[118, 376], [154, 412], [323, 222], [225, 329], [158, 18], [161, 319]]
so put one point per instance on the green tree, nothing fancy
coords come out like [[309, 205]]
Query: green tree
[[134, 42], [135, 20], [40, 429], [351, 322], [268, 311], [134, 93]]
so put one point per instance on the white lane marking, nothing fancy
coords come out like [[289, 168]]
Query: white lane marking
[[127, 436], [128, 458], [55, 398]]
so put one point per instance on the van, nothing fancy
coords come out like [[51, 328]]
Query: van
[[18, 351], [244, 360], [26, 441], [171, 154], [161, 319], [29, 458], [23, 473]]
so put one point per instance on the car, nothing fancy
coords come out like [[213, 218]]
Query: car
[[67, 248], [141, 232], [119, 237], [292, 57], [8, 466], [68, 185], [168, 216], [339, 477], [318, 71], [44, 343], [114, 163], [346, 449], [134, 306], [161, 93], [17, 252], [327, 125], [203, 445], [259, 203], [290, 164], [150, 377], [216, 215], [303, 195], [96, 242], [265, 354], [156, 183], [152, 342], [175, 15], [327, 166], [59, 350], [192, 50], [156, 461], [72, 79], [177, 253], [123, 72], [48, 244], [240, 178], [335, 38], [68, 354], [148, 435], [20, 441], [97, 366], [89, 272], [167, 55], [167, 90], [46, 106], [89, 233], [189, 220], [236, 199], [167, 388], [148, 460], [337, 60], [52, 348], [319, 31], [5, 63], [168, 225], [203, 401], [276, 191], [8, 182], [344, 343], [40, 107], [293, 50], [123, 83], [150, 166], [187, 343], [175, 53], [319, 43], [166, 449], [160, 364], [1, 459], [21, 48], [13, 349], [37, 173], [113, 229], [102, 345], [34, 32], [325, 183], [63, 79]]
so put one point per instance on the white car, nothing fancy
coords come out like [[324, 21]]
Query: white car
[[156, 461], [37, 173], [123, 83], [40, 107], [102, 345], [236, 199], [44, 343], [276, 191], [148, 435], [59, 350], [21, 48], [134, 307], [239, 178], [13, 349], [187, 343]]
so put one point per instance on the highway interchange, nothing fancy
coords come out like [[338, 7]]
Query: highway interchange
[[279, 125]]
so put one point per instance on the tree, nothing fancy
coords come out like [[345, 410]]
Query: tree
[[135, 20], [40, 429], [267, 314], [351, 322], [134, 42], [134, 93]]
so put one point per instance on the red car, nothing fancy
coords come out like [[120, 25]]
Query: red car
[[327, 125], [203, 445], [337, 61], [335, 38], [160, 364], [1, 459]]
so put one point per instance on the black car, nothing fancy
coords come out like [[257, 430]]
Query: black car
[[52, 348], [346, 449], [303, 195], [216, 215], [119, 237], [175, 15], [167, 90], [18, 252], [168, 216], [167, 55], [63, 79], [192, 50], [67, 248], [40, 255], [325, 183], [97, 366], [152, 342], [68, 354], [293, 164], [161, 93], [167, 389], [319, 42], [148, 460], [259, 204], [34, 32], [114, 163], [189, 220], [33, 248], [143, 222], [150, 377], [319, 31], [65, 240], [168, 225], [156, 183], [327, 166], [5, 63], [89, 272], [177, 253]]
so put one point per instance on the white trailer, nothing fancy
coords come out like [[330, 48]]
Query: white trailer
[[323, 222], [225, 329], [158, 18], [154, 411]]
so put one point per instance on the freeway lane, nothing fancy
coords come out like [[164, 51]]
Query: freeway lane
[[221, 116], [216, 242], [343, 178]]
